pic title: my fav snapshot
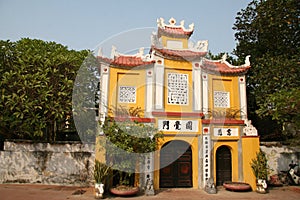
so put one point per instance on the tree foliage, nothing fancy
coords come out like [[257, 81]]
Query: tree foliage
[[268, 30], [127, 144], [36, 86], [260, 166]]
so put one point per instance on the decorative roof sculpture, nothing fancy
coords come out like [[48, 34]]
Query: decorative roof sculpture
[[122, 60], [173, 30], [223, 67]]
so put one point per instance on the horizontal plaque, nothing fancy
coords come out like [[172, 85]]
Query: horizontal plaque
[[178, 125], [219, 132]]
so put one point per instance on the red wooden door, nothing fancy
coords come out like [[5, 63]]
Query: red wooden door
[[179, 172]]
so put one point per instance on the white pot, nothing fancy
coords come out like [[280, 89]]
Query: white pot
[[261, 186], [99, 190]]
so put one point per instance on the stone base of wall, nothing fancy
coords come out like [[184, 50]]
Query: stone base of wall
[[66, 164]]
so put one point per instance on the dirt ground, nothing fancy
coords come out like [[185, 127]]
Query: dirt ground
[[50, 192]]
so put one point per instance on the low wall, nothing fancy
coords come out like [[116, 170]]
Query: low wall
[[279, 156], [72, 164], [67, 164]]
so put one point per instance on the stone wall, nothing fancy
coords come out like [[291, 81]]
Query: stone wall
[[279, 156], [72, 163], [67, 164]]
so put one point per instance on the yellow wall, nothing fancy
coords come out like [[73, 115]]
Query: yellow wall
[[232, 145], [193, 141], [177, 64], [227, 84], [250, 146], [123, 77]]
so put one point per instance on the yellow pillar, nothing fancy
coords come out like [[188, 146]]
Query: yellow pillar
[[250, 146]]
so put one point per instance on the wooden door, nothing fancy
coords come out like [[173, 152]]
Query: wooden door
[[178, 172], [224, 166]]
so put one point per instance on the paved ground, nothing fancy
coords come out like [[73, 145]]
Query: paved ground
[[43, 192]]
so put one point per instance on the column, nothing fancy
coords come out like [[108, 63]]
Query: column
[[159, 84], [149, 174], [197, 86], [205, 93], [103, 99], [243, 98]]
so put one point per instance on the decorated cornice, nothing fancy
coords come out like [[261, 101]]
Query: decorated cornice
[[173, 30], [119, 60], [223, 67]]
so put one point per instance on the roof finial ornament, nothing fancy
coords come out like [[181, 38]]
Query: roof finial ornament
[[202, 45], [141, 52], [247, 61], [191, 26], [100, 53], [224, 57], [160, 22], [113, 52], [172, 21], [182, 23]]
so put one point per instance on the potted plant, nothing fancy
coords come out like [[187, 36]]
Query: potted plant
[[101, 172], [260, 169]]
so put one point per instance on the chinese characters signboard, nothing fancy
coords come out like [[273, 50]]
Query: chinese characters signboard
[[178, 125], [219, 132]]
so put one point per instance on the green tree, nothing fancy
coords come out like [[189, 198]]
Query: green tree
[[268, 30], [36, 87], [127, 142]]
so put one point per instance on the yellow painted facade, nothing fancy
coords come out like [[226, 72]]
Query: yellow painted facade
[[124, 77], [250, 147], [210, 118]]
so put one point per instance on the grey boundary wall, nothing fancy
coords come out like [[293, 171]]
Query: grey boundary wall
[[72, 163], [44, 163], [280, 156]]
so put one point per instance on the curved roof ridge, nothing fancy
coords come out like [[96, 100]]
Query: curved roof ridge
[[223, 67]]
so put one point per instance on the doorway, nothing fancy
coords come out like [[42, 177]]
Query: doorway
[[224, 165], [176, 165]]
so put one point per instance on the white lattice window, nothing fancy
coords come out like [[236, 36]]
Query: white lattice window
[[221, 99], [127, 94], [178, 88]]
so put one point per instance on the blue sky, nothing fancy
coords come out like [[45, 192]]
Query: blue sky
[[84, 24]]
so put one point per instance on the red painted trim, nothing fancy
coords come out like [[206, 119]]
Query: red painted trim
[[138, 119], [223, 121], [250, 136], [177, 114], [181, 135]]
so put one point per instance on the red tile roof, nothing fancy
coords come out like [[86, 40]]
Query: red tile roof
[[223, 67], [125, 61], [178, 54], [174, 31]]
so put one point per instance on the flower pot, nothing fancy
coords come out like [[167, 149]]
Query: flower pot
[[124, 191], [261, 186], [237, 186], [99, 190]]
